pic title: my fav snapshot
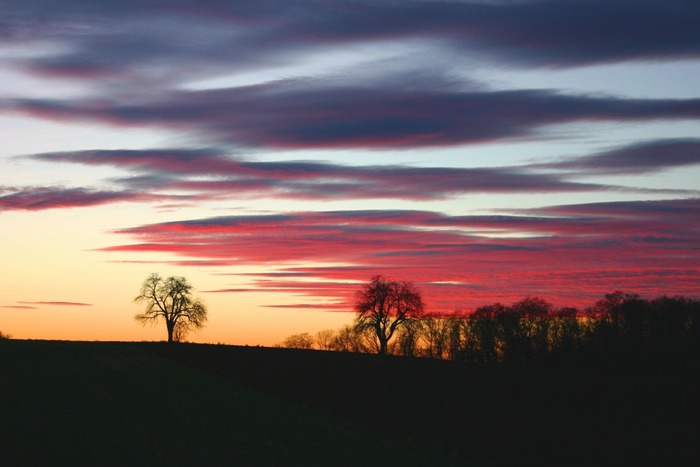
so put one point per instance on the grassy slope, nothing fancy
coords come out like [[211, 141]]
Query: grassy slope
[[494, 414], [67, 403], [151, 404]]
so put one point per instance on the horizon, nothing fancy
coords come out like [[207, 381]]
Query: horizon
[[278, 155]]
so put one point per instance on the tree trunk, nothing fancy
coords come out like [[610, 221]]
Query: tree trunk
[[383, 347], [171, 328]]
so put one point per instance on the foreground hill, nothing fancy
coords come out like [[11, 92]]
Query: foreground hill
[[130, 404], [154, 404]]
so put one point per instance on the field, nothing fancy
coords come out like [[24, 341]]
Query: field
[[89, 403]]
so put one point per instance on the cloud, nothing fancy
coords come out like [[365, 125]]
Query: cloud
[[19, 307], [184, 170], [661, 210], [638, 158], [582, 32], [457, 260], [144, 64], [144, 39], [206, 174], [313, 306], [57, 303], [297, 115], [196, 161], [40, 198]]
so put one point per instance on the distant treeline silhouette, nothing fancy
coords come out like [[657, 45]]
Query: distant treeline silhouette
[[621, 328]]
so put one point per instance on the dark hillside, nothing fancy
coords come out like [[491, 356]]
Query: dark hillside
[[495, 414], [78, 403], [130, 404]]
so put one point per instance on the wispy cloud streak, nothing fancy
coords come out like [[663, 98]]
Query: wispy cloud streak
[[40, 198], [458, 259], [102, 41], [57, 303], [309, 114], [210, 173], [638, 158]]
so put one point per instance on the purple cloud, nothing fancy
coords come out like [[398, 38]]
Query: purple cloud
[[103, 41], [306, 115], [183, 169], [210, 174], [662, 210], [638, 158], [40, 198]]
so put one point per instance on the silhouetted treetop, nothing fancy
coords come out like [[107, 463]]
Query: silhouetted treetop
[[384, 306], [171, 300]]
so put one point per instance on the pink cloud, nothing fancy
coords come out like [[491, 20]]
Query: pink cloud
[[579, 254], [40, 198]]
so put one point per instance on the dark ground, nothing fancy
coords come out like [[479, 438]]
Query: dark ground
[[492, 414], [67, 403], [132, 404]]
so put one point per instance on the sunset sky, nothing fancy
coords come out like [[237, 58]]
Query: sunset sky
[[279, 153]]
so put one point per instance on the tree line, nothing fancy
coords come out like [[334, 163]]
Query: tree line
[[619, 327], [390, 318]]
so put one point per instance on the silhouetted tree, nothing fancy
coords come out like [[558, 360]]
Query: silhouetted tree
[[534, 322], [456, 331], [171, 300], [673, 322], [607, 332], [4, 336], [435, 331], [407, 339], [349, 339], [384, 306], [299, 341], [629, 328], [484, 340], [324, 339], [566, 333]]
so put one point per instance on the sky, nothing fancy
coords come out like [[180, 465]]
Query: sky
[[280, 153]]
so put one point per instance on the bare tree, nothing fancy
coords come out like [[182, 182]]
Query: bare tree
[[485, 334], [384, 306], [349, 339], [457, 331], [435, 332], [407, 339], [324, 339], [535, 321], [171, 300], [299, 341]]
